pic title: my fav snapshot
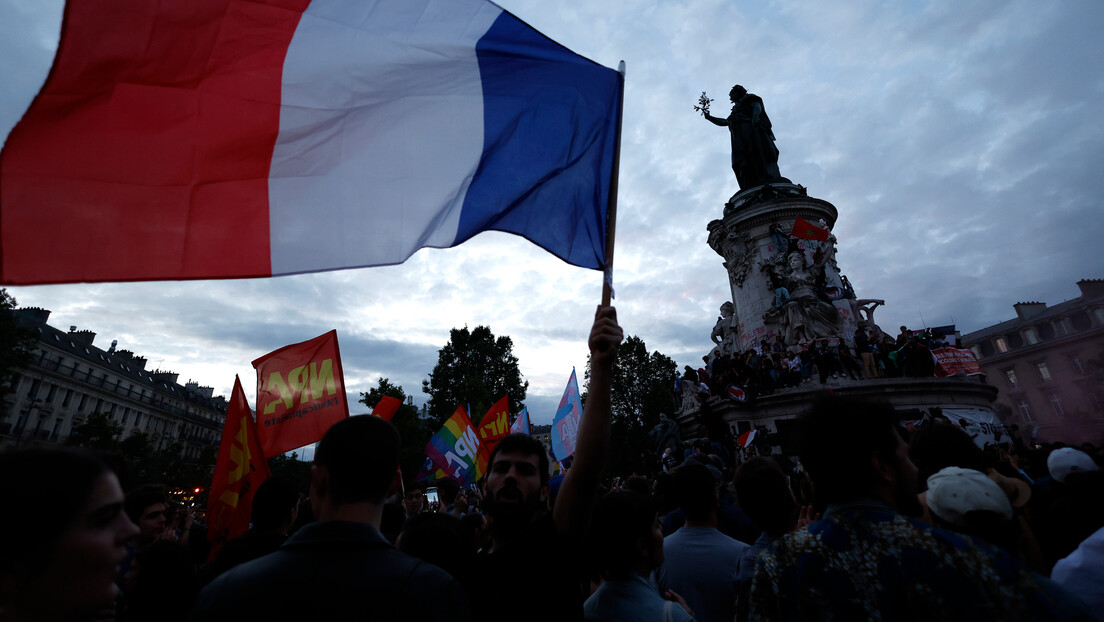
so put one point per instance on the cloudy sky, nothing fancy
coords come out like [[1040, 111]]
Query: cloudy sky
[[961, 143]]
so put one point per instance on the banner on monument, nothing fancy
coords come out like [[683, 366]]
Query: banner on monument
[[983, 426], [951, 361]]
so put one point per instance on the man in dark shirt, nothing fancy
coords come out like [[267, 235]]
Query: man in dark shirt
[[532, 570], [340, 568], [275, 508]]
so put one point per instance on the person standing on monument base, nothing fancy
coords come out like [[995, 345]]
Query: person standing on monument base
[[754, 156]]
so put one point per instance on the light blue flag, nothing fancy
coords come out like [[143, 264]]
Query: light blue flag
[[521, 424], [566, 423]]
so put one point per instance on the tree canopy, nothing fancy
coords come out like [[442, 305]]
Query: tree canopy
[[642, 388], [16, 343], [474, 369], [412, 430], [142, 462]]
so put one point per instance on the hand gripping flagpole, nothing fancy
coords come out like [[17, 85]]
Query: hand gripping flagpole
[[611, 213]]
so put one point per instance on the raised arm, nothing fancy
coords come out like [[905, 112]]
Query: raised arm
[[572, 509], [715, 120]]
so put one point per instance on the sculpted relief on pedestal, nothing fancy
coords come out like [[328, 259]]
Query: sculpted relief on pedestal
[[736, 248]]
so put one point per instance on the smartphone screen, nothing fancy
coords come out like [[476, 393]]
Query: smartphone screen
[[431, 496]]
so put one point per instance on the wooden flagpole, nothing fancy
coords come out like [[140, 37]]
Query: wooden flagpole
[[611, 214]]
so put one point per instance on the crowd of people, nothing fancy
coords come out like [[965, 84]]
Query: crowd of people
[[775, 365], [870, 521]]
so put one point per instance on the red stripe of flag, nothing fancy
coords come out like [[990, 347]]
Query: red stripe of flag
[[131, 96]]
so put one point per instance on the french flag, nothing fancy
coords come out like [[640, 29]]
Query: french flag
[[242, 138]]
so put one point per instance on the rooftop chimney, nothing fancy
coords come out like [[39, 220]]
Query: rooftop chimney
[[167, 377], [38, 314], [83, 336], [1091, 288]]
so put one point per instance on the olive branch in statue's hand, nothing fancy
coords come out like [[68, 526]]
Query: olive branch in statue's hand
[[703, 104]]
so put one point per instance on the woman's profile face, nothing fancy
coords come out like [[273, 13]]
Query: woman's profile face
[[796, 262], [79, 579]]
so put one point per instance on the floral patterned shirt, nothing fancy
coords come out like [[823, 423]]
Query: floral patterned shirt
[[866, 562]]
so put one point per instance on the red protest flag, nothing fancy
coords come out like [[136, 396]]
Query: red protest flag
[[495, 424], [808, 231], [747, 438], [387, 407], [240, 468], [300, 393]]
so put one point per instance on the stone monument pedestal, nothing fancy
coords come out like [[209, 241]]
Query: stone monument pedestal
[[785, 282], [758, 262], [775, 414]]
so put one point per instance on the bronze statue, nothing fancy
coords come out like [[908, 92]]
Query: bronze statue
[[665, 434], [754, 156]]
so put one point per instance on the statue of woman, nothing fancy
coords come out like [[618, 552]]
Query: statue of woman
[[723, 326], [754, 156], [725, 330], [806, 316]]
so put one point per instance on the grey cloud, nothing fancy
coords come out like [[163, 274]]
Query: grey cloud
[[960, 143]]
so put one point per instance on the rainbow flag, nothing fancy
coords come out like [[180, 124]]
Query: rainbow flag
[[456, 449], [429, 471]]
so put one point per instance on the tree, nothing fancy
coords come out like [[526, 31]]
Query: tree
[[643, 387], [292, 469], [98, 433], [16, 343], [474, 369], [384, 387], [412, 431], [140, 462], [135, 450]]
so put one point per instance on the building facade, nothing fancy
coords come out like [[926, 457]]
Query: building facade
[[70, 378], [1048, 364]]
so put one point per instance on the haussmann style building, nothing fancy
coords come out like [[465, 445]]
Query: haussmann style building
[[70, 378], [1048, 363]]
